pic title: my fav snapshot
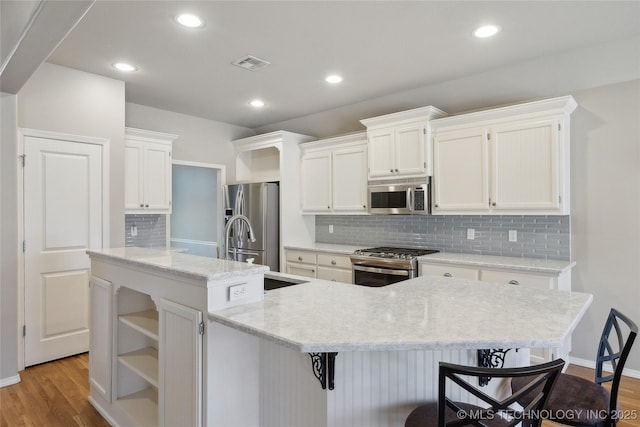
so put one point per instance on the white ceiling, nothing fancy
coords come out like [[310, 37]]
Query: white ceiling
[[380, 47]]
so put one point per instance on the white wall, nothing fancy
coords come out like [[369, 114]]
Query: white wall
[[64, 100], [201, 140], [8, 238], [605, 206]]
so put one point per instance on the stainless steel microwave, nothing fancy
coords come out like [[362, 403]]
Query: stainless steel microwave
[[407, 198]]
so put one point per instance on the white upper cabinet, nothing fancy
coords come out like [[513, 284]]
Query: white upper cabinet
[[334, 175], [315, 174], [399, 144], [507, 161], [148, 171], [461, 169]]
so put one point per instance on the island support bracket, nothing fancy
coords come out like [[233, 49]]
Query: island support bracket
[[323, 365], [490, 358]]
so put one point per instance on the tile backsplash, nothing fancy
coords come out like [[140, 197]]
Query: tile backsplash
[[151, 230], [547, 237]]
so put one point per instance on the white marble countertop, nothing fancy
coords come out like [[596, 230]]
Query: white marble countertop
[[326, 247], [170, 261], [422, 313], [492, 261]]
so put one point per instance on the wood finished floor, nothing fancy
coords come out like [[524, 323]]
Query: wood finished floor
[[55, 394]]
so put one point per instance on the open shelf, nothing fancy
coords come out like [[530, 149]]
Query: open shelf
[[145, 322], [142, 406], [143, 362]]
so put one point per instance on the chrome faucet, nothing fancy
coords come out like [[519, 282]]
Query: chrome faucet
[[227, 232]]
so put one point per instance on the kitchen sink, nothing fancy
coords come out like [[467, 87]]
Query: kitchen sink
[[271, 283]]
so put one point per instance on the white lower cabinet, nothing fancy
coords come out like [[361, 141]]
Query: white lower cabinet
[[145, 364], [180, 375], [100, 334], [322, 265]]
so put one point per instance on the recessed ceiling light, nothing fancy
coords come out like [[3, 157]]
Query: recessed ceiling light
[[189, 20], [333, 78], [486, 31], [257, 103], [123, 66]]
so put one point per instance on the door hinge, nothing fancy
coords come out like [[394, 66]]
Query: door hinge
[[425, 165], [24, 246], [169, 153], [24, 330], [560, 199], [201, 328], [424, 130], [559, 126], [488, 136], [23, 158]]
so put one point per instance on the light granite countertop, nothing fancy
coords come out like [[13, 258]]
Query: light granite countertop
[[422, 313], [326, 247], [173, 262], [492, 261]]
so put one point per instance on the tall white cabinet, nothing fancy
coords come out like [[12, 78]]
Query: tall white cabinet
[[333, 175], [148, 171], [511, 160]]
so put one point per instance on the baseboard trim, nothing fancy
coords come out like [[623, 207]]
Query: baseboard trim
[[633, 373], [102, 412], [10, 380]]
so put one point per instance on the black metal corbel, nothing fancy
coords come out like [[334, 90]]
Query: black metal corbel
[[323, 365], [490, 358]]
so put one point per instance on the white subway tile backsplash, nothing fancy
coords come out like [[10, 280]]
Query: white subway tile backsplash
[[545, 237]]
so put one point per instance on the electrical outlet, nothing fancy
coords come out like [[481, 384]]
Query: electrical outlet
[[238, 292], [331, 229], [471, 233], [513, 235], [134, 231]]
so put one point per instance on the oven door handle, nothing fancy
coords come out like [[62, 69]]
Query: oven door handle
[[381, 270]]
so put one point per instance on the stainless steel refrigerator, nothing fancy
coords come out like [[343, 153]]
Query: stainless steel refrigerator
[[260, 203]]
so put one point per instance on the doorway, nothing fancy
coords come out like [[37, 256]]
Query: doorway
[[196, 218]]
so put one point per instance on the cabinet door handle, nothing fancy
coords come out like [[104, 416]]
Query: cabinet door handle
[[141, 205], [396, 170], [435, 206], [312, 270], [493, 204], [514, 282], [333, 263], [391, 170], [447, 274], [299, 258], [328, 207], [146, 206]]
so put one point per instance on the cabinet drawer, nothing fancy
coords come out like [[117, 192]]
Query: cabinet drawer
[[301, 269], [334, 260], [517, 278], [335, 274], [301, 257], [449, 271]]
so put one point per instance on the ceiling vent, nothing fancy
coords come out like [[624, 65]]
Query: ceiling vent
[[251, 63]]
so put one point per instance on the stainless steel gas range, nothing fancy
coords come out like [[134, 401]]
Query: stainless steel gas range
[[385, 265]]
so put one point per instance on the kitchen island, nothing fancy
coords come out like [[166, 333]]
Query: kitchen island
[[381, 346], [319, 353]]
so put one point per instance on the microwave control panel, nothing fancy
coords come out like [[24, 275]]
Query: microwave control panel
[[418, 199]]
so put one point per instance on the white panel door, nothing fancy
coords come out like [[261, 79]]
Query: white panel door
[[157, 177], [62, 219], [410, 150], [350, 179], [461, 171], [381, 153], [525, 161], [180, 358], [315, 175]]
